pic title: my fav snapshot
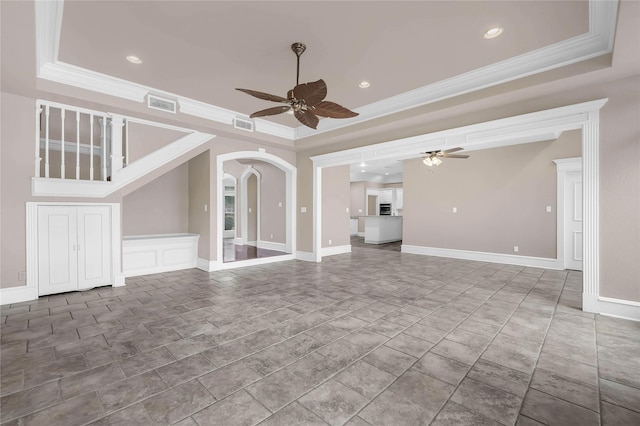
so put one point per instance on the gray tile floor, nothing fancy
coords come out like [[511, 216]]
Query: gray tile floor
[[369, 338]]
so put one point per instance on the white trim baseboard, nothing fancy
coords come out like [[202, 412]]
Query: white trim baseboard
[[207, 265], [270, 245], [333, 250], [509, 259], [305, 256], [18, 294], [617, 308], [255, 262]]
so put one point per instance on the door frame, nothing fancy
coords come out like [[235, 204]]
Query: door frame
[[228, 234], [563, 166], [291, 180], [525, 128], [31, 288], [244, 204]]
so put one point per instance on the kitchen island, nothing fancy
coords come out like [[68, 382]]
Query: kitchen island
[[382, 229]]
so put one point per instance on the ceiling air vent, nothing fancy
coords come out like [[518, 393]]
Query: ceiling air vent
[[243, 124], [161, 104]]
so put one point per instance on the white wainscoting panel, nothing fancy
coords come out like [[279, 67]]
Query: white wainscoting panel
[[152, 254]]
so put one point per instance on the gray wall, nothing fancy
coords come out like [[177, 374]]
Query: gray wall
[[159, 207], [500, 195], [336, 198]]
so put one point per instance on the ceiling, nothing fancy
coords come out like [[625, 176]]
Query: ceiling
[[427, 61], [202, 50], [205, 49]]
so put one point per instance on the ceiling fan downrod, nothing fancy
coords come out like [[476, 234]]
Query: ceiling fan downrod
[[298, 48]]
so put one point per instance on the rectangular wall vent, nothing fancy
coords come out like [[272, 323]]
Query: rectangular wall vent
[[161, 104], [243, 124]]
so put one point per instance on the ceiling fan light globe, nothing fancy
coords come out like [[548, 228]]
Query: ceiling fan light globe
[[436, 161], [427, 161]]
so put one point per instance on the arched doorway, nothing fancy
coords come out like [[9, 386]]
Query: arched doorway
[[289, 206]]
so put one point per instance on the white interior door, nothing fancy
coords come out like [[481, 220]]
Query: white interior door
[[573, 220], [94, 246], [57, 249]]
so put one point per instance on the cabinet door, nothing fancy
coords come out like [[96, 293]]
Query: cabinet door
[[94, 246], [57, 249], [399, 199]]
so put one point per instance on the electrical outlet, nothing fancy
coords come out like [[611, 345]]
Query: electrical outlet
[[206, 207], [347, 209], [250, 210], [515, 249], [359, 210], [280, 204], [303, 209], [22, 276], [271, 236], [329, 242]]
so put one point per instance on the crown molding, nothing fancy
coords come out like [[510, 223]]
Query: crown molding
[[596, 42]]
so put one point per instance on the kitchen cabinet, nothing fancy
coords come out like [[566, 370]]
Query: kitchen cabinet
[[385, 196], [399, 204], [382, 229], [74, 248]]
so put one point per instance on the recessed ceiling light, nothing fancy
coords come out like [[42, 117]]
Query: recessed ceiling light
[[361, 171], [493, 32], [386, 173], [134, 59], [364, 84]]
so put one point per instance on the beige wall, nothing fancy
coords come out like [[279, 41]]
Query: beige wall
[[359, 200], [252, 208], [199, 197], [144, 139], [272, 193], [160, 207], [500, 195], [336, 198]]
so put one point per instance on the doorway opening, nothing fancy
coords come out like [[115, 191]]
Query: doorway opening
[[264, 209]]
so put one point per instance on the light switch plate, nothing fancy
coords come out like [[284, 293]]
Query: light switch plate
[[548, 209], [303, 209], [455, 210]]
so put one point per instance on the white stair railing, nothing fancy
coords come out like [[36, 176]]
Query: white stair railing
[[89, 141]]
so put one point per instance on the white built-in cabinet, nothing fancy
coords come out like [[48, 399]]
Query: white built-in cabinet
[[393, 196], [385, 196], [74, 247], [399, 199]]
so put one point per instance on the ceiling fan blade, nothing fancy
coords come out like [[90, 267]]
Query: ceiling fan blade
[[452, 150], [455, 156], [312, 92], [307, 118], [264, 96], [271, 111], [332, 110]]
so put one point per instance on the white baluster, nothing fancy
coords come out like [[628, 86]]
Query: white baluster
[[103, 137], [126, 142], [46, 143], [77, 145], [90, 146], [62, 152], [116, 143], [38, 130]]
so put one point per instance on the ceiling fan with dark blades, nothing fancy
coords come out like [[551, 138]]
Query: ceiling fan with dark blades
[[306, 100], [433, 158]]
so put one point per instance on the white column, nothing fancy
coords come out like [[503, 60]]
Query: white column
[[590, 224], [117, 122]]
